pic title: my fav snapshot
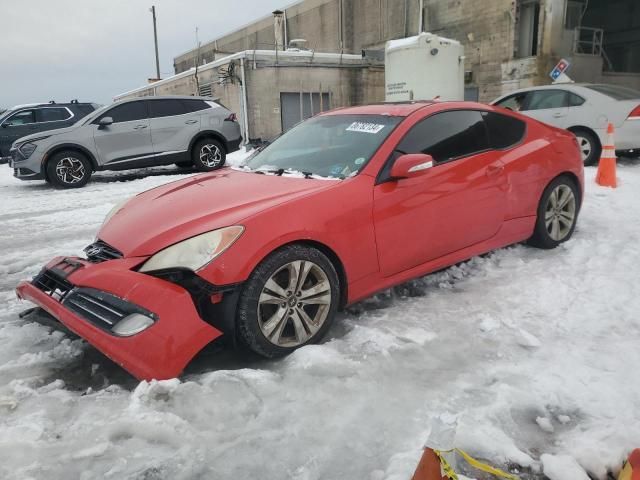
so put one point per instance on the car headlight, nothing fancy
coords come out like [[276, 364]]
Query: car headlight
[[27, 149], [195, 252]]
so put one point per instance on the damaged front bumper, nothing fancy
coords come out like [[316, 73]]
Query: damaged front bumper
[[149, 326]]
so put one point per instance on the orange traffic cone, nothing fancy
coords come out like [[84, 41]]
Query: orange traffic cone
[[429, 467], [631, 470], [606, 175]]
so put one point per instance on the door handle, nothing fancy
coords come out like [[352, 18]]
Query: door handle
[[191, 122], [138, 127], [493, 170], [558, 115]]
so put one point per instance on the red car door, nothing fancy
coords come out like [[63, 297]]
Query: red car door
[[461, 201]]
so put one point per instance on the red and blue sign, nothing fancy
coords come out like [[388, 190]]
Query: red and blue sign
[[559, 69]]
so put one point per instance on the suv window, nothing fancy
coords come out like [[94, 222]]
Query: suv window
[[195, 105], [165, 108], [127, 112], [447, 135], [543, 99], [504, 131], [52, 114], [22, 118]]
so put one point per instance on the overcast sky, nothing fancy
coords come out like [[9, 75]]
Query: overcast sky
[[93, 50]]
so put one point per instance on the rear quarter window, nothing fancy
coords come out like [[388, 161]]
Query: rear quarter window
[[504, 131], [195, 105]]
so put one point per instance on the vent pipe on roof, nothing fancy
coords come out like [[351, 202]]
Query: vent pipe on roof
[[278, 26]]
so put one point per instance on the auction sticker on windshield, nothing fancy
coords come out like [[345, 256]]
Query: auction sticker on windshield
[[364, 127]]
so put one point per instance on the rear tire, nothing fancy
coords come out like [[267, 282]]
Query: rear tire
[[589, 144], [68, 169], [208, 154], [289, 301], [557, 214]]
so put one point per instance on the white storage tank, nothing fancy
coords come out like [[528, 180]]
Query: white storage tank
[[424, 67]]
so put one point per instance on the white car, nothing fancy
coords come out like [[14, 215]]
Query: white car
[[584, 109]]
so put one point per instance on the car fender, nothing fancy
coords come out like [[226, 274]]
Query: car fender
[[70, 146]]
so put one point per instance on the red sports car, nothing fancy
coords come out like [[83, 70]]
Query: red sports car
[[346, 204]]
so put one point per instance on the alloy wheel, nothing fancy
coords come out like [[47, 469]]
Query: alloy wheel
[[585, 147], [70, 170], [210, 155], [560, 213], [294, 303]]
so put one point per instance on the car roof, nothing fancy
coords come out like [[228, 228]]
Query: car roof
[[404, 109], [47, 104], [169, 97]]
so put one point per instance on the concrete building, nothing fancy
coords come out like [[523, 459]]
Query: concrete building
[[509, 44], [271, 90]]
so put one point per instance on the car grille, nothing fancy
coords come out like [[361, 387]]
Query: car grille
[[52, 284], [101, 251], [102, 309]]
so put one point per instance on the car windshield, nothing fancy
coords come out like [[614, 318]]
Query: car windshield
[[333, 146], [616, 92]]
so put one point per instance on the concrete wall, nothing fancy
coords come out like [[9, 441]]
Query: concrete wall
[[347, 86], [487, 29]]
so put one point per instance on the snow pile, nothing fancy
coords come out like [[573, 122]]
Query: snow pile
[[533, 351]]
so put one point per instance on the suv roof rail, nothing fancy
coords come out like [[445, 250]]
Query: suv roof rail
[[52, 102], [75, 100]]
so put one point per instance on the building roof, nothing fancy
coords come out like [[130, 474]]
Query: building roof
[[300, 57]]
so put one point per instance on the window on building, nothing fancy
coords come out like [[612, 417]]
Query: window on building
[[447, 136], [52, 114], [528, 18], [573, 14], [127, 112], [166, 108]]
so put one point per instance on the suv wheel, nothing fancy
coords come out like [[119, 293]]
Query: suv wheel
[[208, 154], [68, 169]]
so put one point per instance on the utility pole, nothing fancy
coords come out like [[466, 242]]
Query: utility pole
[[155, 39]]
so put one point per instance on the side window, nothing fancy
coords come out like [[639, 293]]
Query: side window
[[447, 135], [127, 112], [575, 100], [543, 99], [21, 118], [504, 131], [52, 114], [513, 102], [165, 108], [195, 105]]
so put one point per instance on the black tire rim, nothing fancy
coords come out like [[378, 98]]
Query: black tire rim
[[210, 155], [70, 170], [294, 304]]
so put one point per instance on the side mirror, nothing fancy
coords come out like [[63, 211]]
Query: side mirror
[[105, 122], [411, 165]]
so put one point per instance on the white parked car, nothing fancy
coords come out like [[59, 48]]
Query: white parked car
[[585, 109]]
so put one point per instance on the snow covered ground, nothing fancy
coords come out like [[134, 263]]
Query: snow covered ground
[[535, 351]]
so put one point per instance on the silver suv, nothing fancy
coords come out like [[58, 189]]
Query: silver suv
[[136, 133]]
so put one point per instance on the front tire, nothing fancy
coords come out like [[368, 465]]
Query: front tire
[[557, 214], [68, 169], [208, 154], [289, 301]]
